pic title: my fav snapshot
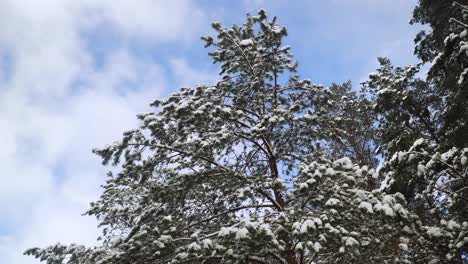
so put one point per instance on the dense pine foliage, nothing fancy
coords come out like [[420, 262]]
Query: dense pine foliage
[[266, 167]]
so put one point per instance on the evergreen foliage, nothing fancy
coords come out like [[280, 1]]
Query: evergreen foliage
[[266, 167]]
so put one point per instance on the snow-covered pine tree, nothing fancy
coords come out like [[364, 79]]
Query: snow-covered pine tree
[[449, 74], [348, 125], [424, 128], [234, 173], [435, 16]]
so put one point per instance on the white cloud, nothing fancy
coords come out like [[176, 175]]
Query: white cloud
[[46, 136], [156, 19], [31, 195], [188, 76], [55, 106]]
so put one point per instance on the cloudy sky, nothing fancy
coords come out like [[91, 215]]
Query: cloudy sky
[[73, 75]]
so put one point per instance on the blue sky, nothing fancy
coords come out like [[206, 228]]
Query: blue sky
[[73, 75]]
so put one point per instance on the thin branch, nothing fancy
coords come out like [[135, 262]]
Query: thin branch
[[229, 211]]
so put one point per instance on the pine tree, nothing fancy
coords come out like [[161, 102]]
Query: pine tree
[[253, 169], [435, 14], [442, 47], [348, 125], [234, 173], [424, 128], [449, 76]]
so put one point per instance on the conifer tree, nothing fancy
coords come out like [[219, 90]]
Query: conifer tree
[[254, 168], [349, 125], [435, 16], [424, 129], [233, 173]]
